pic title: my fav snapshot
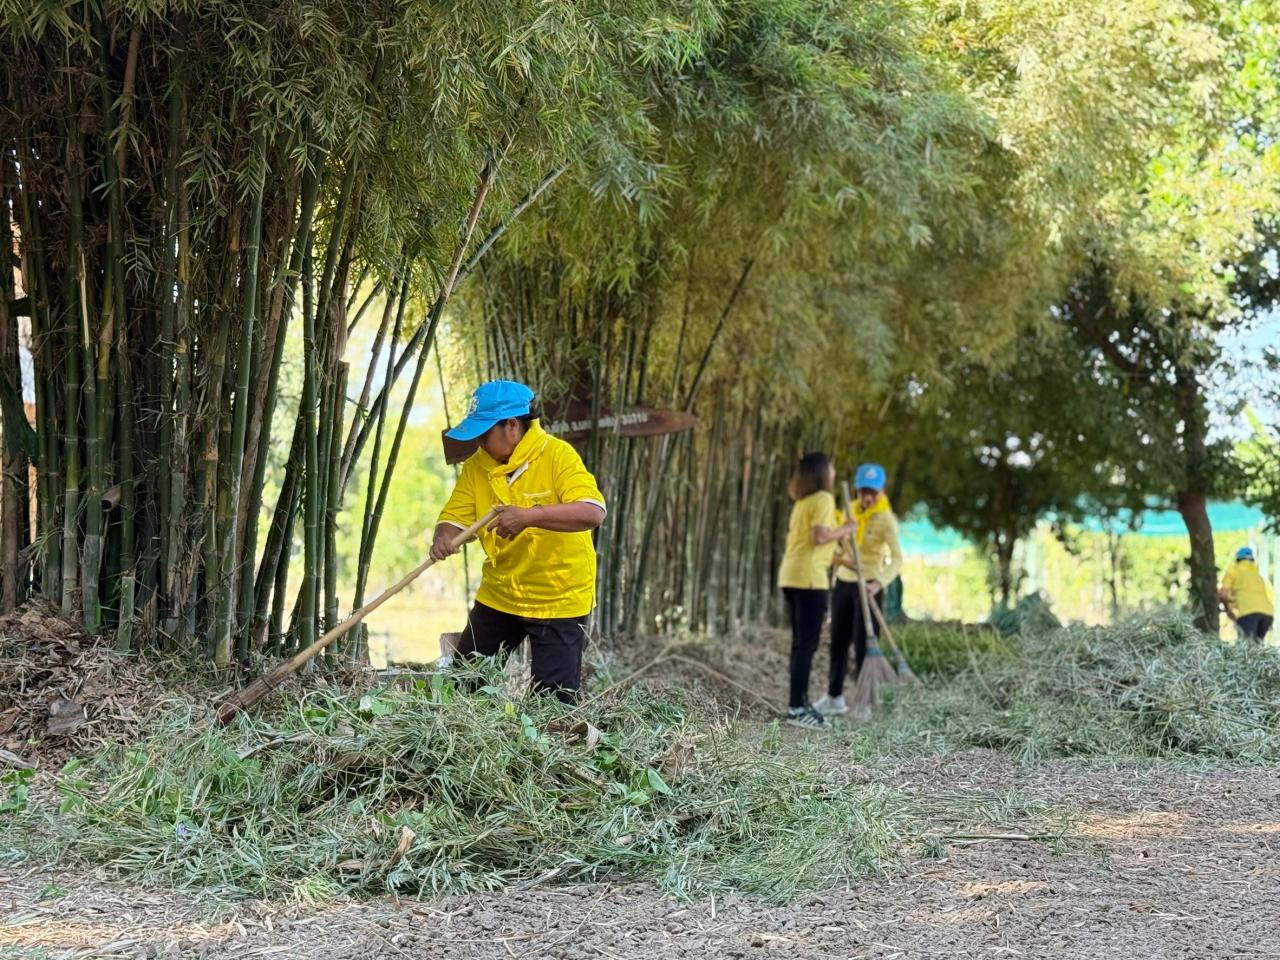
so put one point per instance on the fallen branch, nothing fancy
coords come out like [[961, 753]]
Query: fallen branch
[[970, 838]]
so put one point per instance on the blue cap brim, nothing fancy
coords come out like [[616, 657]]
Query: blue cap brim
[[470, 428]]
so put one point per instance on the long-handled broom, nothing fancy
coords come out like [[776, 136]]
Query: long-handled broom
[[899, 658], [876, 672], [246, 698]]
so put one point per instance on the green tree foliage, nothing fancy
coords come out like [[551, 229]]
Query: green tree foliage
[[190, 181], [808, 223]]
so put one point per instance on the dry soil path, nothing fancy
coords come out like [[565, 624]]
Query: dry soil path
[[1166, 864]]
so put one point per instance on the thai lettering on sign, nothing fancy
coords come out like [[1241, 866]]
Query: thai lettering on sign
[[608, 422]]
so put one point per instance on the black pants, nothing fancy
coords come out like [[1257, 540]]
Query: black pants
[[807, 609], [848, 627], [556, 646], [1255, 626]]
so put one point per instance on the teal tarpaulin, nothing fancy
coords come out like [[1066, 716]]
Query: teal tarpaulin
[[919, 536]]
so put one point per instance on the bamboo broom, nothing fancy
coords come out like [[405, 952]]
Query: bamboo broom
[[254, 692], [876, 671], [899, 658]]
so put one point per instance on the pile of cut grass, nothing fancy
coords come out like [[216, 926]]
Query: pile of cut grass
[[431, 790], [1148, 687], [1030, 616], [939, 650]]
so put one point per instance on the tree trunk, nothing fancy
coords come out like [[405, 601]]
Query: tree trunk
[[1004, 565], [1193, 506], [1193, 502]]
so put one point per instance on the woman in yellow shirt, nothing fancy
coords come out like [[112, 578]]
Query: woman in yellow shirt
[[811, 542], [881, 555], [539, 575]]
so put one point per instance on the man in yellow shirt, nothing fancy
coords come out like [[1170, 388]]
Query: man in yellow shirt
[[539, 575], [1246, 596]]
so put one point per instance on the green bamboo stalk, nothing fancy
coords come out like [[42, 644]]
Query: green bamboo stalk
[[354, 290], [325, 428], [252, 492], [13, 454], [362, 405], [75, 295], [36, 283], [128, 502], [278, 643], [333, 498], [466, 563], [240, 415], [217, 437], [98, 404], [393, 456], [175, 585], [278, 234], [115, 317], [290, 486], [279, 535], [337, 233], [365, 555], [376, 291], [311, 500], [166, 358], [487, 175], [656, 489], [362, 429]]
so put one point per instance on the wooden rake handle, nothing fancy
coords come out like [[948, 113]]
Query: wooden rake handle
[[852, 544], [254, 692]]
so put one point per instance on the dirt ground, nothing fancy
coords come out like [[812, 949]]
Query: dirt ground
[[1164, 863]]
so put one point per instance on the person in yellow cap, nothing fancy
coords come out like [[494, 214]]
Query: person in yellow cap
[[539, 574], [811, 540], [1247, 597], [881, 555]]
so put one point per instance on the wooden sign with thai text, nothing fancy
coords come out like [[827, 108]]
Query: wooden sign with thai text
[[575, 426]]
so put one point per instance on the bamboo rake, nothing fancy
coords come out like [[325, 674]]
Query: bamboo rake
[[254, 692]]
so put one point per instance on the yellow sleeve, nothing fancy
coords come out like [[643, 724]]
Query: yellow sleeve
[[460, 510], [894, 566], [1229, 579], [824, 511], [573, 481]]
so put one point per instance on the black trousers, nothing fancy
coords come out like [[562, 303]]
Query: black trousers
[[1255, 626], [555, 645], [848, 628], [807, 609]]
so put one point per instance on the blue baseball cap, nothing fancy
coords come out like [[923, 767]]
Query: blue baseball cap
[[492, 403], [869, 476], [1244, 553]]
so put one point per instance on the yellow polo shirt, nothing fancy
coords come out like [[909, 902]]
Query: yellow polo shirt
[[804, 565], [538, 573], [1248, 591]]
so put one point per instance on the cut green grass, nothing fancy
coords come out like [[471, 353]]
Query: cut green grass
[[433, 791], [1144, 688]]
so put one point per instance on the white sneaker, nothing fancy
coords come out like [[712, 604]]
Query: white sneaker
[[830, 706]]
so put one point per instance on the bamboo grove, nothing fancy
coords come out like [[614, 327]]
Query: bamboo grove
[[184, 182], [789, 217]]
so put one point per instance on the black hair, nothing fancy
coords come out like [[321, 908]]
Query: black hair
[[526, 419], [810, 475]]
